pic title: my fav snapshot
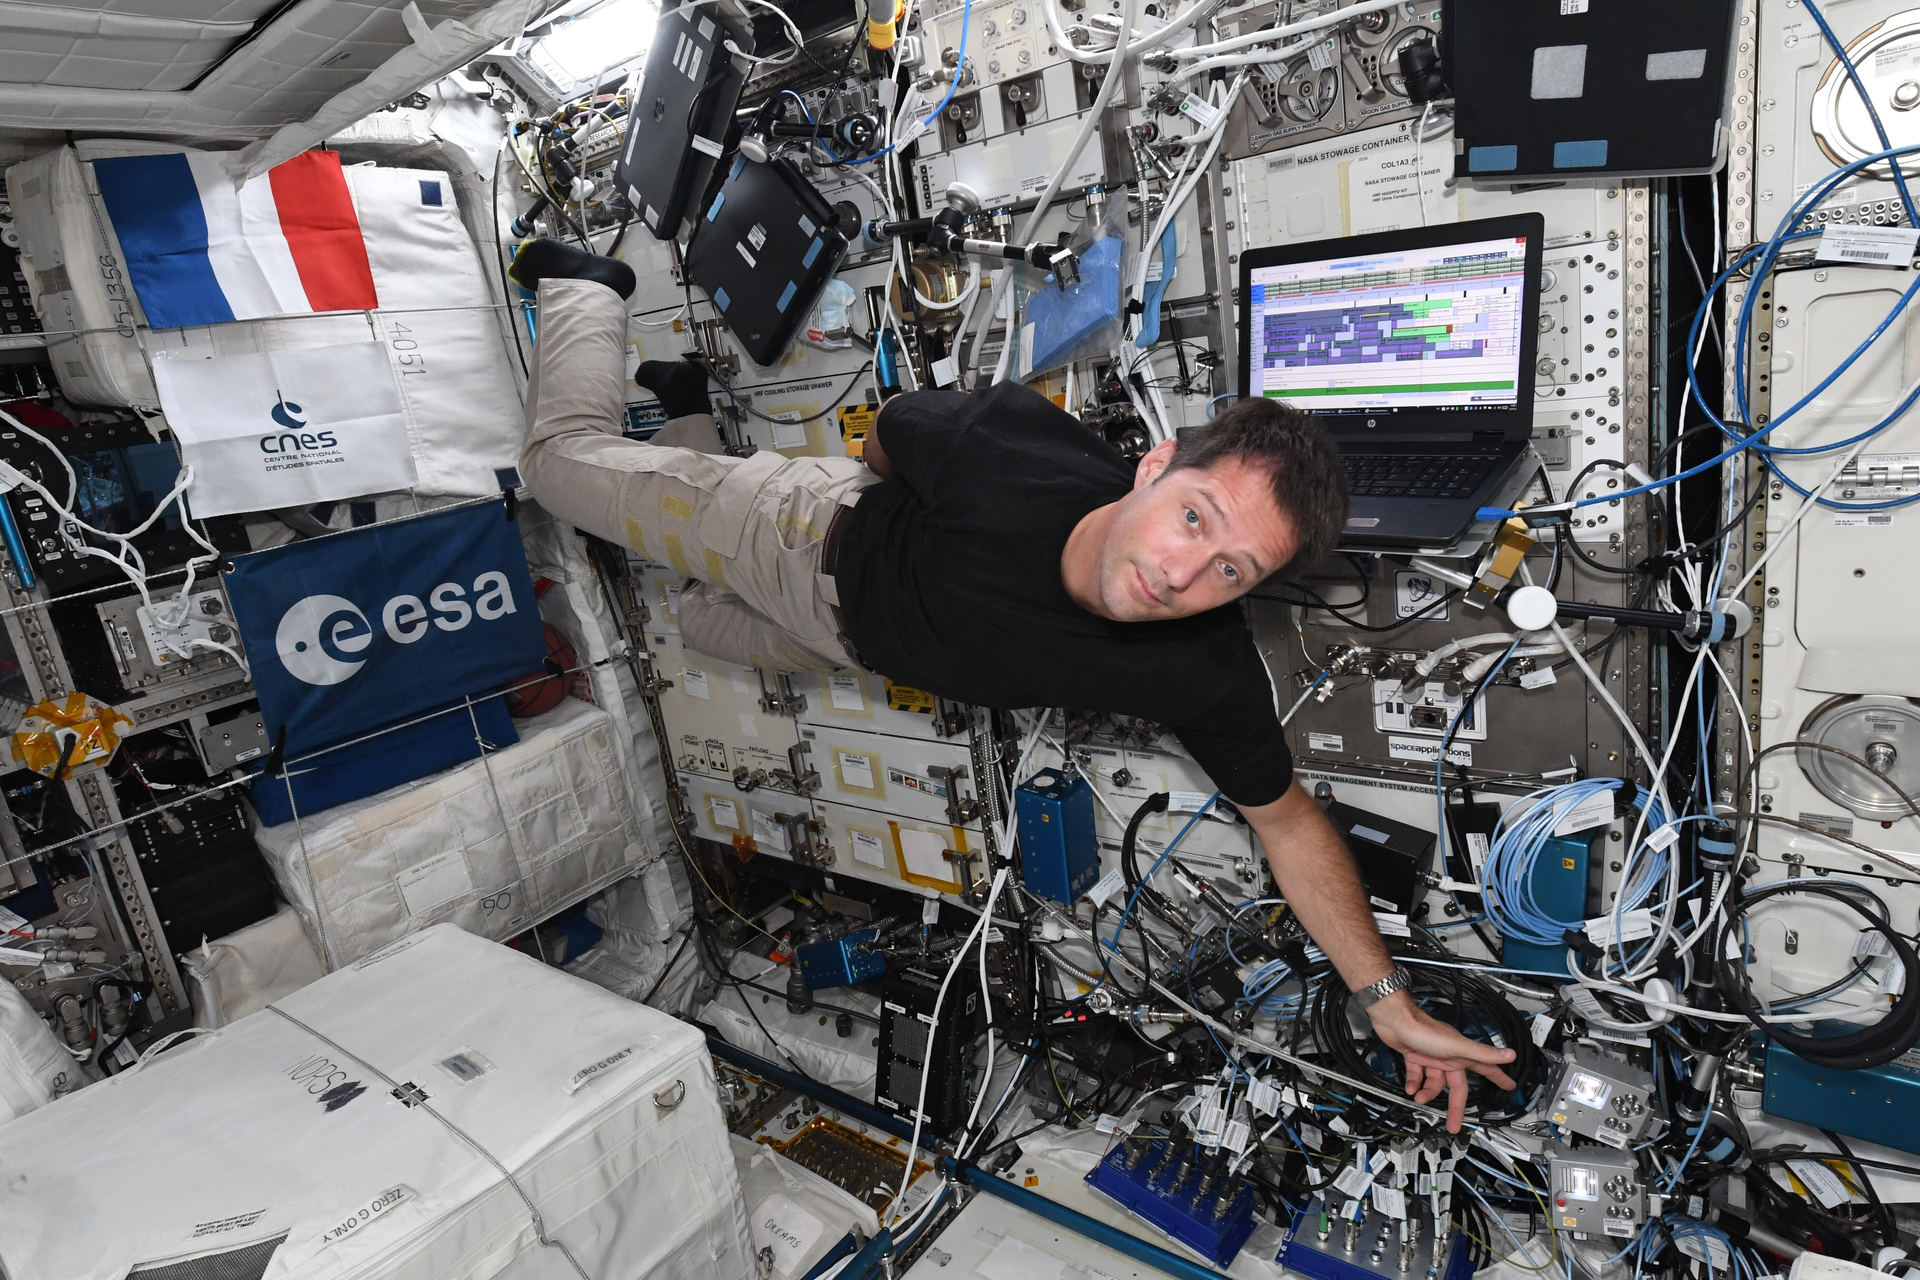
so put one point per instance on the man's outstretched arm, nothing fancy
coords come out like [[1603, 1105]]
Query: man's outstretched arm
[[1317, 877]]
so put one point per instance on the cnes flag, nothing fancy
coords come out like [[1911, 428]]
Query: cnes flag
[[286, 428]]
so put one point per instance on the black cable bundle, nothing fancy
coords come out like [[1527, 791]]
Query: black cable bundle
[[1870, 1046], [1456, 997]]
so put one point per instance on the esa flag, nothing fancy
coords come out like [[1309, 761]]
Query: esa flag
[[278, 429], [372, 627], [198, 252]]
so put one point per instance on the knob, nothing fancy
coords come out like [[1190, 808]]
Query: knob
[[1881, 755]]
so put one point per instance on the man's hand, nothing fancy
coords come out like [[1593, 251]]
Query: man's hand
[[1438, 1057]]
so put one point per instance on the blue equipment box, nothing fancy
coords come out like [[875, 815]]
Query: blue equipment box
[[1058, 849], [840, 962], [1304, 1252], [1149, 1179], [1878, 1104], [1559, 886]]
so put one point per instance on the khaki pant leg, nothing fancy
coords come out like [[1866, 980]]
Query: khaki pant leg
[[722, 625]]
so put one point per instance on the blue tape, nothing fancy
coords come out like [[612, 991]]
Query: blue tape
[[786, 296], [813, 251], [1492, 159], [1580, 155], [713, 211], [720, 299]]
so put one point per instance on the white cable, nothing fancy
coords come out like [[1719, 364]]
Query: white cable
[[1335, 18], [920, 1103], [1141, 45], [1109, 84]]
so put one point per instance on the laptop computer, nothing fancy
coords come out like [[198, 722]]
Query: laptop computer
[[1416, 349], [682, 110]]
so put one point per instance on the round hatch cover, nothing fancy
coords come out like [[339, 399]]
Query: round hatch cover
[[1879, 728]]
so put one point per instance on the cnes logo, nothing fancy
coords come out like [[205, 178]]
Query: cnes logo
[[294, 439], [325, 639]]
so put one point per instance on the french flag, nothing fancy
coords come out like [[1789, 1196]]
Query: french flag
[[199, 252]]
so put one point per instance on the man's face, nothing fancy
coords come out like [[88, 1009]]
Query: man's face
[[1190, 540]]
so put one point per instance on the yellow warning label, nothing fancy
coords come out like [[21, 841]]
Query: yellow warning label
[[856, 420], [901, 698], [1566, 864]]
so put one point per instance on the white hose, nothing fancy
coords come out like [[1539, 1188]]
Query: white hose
[[1088, 125]]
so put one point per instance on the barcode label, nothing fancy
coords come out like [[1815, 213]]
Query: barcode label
[[1872, 246], [1863, 520]]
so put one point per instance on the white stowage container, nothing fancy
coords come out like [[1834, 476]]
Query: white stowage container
[[277, 1147], [494, 846]]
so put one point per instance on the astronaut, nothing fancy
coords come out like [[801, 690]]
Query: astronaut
[[989, 549]]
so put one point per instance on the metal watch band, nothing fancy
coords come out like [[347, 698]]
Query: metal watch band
[[1368, 996]]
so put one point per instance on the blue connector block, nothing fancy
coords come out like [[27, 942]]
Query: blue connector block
[[1166, 1195], [1878, 1104], [1559, 888], [1376, 1252], [1059, 852], [840, 962]]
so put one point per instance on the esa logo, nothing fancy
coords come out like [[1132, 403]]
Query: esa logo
[[293, 440], [325, 639]]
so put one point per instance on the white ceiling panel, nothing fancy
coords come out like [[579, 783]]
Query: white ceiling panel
[[211, 68]]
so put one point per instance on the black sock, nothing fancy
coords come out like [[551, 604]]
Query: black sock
[[680, 384], [539, 260]]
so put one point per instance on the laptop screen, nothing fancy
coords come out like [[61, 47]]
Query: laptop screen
[[1432, 329]]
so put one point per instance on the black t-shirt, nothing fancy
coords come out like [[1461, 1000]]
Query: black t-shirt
[[949, 579]]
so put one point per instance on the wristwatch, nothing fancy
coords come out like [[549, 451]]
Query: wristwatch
[[1368, 996]]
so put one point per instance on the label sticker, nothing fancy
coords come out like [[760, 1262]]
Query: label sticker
[[789, 431], [390, 1199], [1823, 1182], [767, 833], [1187, 801], [1479, 845], [1108, 885], [1831, 824], [856, 770], [1663, 839], [1320, 57], [725, 812], [1570, 7], [1866, 246], [1326, 742], [11, 923], [1353, 1182], [1199, 110], [1594, 811], [1634, 925], [1539, 678], [1392, 925], [787, 1230], [19, 955], [845, 693], [694, 683], [867, 848], [1863, 520], [1416, 593], [1238, 1134], [1870, 944], [1264, 1097], [1390, 1201], [901, 698], [441, 878]]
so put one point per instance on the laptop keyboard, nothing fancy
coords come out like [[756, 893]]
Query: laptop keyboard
[[1416, 475]]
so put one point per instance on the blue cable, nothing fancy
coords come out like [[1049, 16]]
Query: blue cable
[[1516, 847], [959, 69], [1766, 253], [1673, 1178], [1873, 113], [1135, 897]]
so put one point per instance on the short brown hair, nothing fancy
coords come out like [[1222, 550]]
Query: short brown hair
[[1298, 455]]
